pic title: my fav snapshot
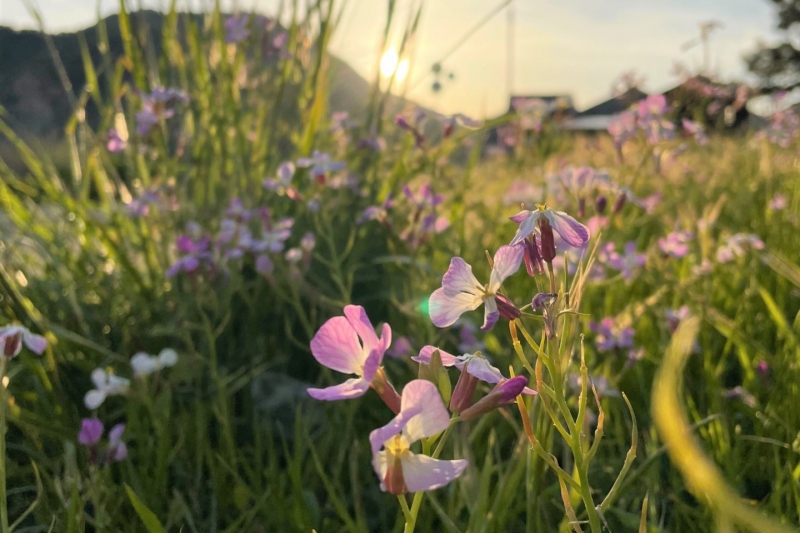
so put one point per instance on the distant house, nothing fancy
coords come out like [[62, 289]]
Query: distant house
[[531, 112], [598, 117]]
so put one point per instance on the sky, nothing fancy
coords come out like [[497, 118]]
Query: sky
[[575, 47]]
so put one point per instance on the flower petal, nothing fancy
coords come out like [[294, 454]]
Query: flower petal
[[481, 369], [168, 357], [142, 364], [99, 378], [94, 399], [336, 346], [378, 437], [572, 231], [359, 321], [426, 352], [527, 225], [352, 388], [421, 472], [371, 364], [444, 310], [36, 343], [432, 417], [506, 261], [459, 278], [490, 315]]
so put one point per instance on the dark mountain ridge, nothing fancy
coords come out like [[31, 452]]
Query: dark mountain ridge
[[32, 88]]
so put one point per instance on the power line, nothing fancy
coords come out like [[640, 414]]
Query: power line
[[464, 38]]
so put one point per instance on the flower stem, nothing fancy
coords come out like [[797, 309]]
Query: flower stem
[[3, 404]]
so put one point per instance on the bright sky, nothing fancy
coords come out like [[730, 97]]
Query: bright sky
[[560, 46]]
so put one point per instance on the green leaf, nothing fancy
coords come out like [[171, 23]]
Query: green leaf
[[148, 517]]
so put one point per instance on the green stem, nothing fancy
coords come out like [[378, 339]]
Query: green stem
[[3, 495]]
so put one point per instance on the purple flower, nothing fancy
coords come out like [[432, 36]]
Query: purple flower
[[140, 207], [573, 232], [611, 336], [468, 342], [13, 337], [377, 212], [156, 106], [403, 123], [285, 173], [422, 415], [321, 165], [91, 431], [236, 28], [676, 244], [626, 263], [777, 202], [783, 128], [115, 142], [461, 291], [117, 450], [348, 344], [424, 197], [675, 316], [400, 348], [195, 252]]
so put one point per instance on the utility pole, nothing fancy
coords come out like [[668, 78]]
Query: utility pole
[[510, 50]]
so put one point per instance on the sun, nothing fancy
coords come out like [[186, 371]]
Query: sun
[[391, 64]]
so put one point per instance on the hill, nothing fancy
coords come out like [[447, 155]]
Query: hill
[[32, 89]]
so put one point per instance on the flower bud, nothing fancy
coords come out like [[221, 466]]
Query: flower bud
[[12, 345], [506, 308], [502, 394], [600, 204], [533, 255], [548, 240], [542, 299], [380, 384], [620, 202], [464, 391]]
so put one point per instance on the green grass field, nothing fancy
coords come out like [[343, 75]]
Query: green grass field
[[231, 217]]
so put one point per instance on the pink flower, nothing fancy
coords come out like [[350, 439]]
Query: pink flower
[[693, 129], [573, 232], [461, 291], [13, 337], [474, 364], [348, 344], [735, 246], [422, 415], [675, 244], [626, 263], [778, 202], [115, 143]]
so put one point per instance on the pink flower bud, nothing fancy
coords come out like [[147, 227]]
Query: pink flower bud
[[464, 391], [502, 394]]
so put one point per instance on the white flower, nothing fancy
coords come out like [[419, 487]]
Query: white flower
[[106, 384], [144, 364]]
